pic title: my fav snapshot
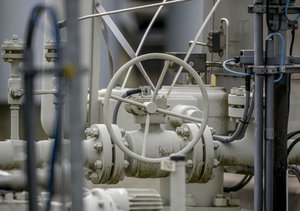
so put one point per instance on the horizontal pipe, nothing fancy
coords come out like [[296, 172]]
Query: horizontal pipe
[[12, 153], [237, 152]]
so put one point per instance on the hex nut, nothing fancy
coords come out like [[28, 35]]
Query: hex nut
[[240, 92], [92, 132], [98, 164], [189, 164], [98, 146], [233, 201], [216, 145], [125, 164], [94, 177], [15, 92], [212, 130], [9, 196], [216, 163], [183, 131], [21, 196], [220, 201], [233, 90]]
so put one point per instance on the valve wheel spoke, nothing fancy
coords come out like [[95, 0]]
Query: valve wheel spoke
[[160, 80], [171, 113], [147, 78], [125, 100]]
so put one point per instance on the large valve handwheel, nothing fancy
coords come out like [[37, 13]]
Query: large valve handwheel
[[151, 106]]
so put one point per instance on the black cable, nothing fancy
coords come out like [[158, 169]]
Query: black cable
[[294, 170], [244, 121], [292, 134], [292, 41], [117, 107], [245, 180], [268, 16], [292, 146]]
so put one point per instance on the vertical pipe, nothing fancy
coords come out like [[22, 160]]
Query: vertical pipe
[[14, 108], [14, 122], [177, 183], [281, 114], [269, 138], [269, 130], [29, 118], [75, 121], [258, 114], [93, 115]]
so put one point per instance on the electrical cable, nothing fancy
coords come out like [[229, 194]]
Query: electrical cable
[[241, 129], [292, 145], [292, 41], [242, 126], [281, 54], [35, 14], [247, 114], [117, 107], [268, 17], [288, 2], [224, 64], [292, 134], [294, 170], [244, 181]]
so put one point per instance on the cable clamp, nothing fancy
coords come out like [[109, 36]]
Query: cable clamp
[[270, 69], [269, 133], [282, 69]]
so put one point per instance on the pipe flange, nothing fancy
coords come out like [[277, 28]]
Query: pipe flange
[[202, 156], [105, 161], [13, 50]]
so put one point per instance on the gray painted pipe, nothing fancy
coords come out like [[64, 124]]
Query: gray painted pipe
[[269, 137], [258, 111], [75, 121]]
